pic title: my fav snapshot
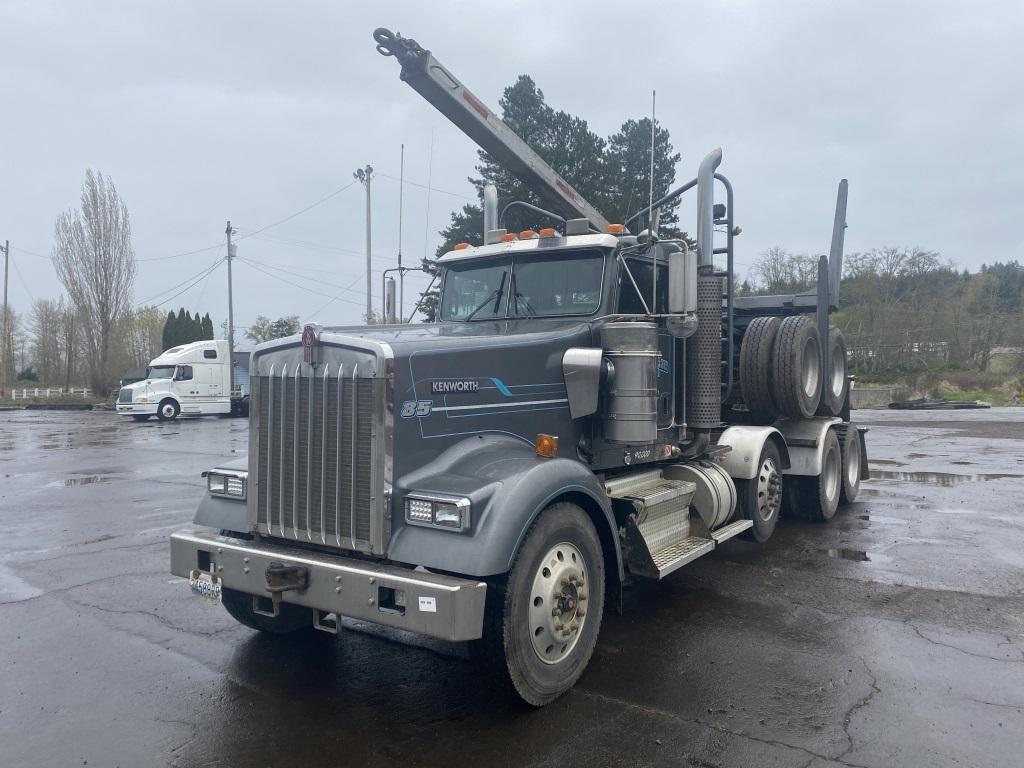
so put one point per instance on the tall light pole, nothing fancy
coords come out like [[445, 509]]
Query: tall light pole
[[365, 175], [229, 231]]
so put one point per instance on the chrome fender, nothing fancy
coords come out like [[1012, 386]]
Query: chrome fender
[[747, 444]]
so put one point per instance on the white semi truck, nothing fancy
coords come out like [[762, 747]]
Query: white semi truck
[[188, 380]]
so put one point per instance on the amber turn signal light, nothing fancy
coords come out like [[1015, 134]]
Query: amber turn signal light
[[547, 446]]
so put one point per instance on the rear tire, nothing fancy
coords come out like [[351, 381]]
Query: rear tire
[[760, 498], [817, 498], [796, 368], [756, 368], [836, 386], [852, 456], [291, 618], [168, 410], [525, 647]]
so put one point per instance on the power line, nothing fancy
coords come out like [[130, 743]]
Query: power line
[[192, 280], [302, 287], [29, 253], [317, 280], [22, 280], [299, 212], [425, 186]]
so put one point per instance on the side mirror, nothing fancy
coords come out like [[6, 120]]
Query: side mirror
[[682, 282]]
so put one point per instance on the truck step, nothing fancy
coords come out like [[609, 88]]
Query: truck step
[[726, 532], [658, 525]]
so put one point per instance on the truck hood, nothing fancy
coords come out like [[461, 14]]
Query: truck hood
[[139, 386], [404, 339]]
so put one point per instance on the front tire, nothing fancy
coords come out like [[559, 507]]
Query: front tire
[[542, 622], [168, 410], [760, 498], [290, 618]]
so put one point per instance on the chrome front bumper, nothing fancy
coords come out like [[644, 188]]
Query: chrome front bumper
[[445, 607]]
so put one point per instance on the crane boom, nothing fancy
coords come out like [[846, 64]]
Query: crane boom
[[448, 95]]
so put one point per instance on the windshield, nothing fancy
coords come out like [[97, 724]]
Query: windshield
[[161, 372], [534, 285]]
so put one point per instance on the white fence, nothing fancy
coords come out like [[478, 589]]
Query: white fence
[[48, 392]]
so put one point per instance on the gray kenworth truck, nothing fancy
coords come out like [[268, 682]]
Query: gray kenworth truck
[[589, 406]]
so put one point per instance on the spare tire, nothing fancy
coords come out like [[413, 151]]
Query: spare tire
[[756, 368], [836, 386], [796, 368]]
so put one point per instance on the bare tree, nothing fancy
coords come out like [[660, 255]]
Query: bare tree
[[45, 325], [94, 259]]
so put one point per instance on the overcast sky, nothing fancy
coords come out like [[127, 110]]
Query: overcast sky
[[205, 111]]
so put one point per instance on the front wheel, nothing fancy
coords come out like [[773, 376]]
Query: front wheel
[[542, 623], [168, 410]]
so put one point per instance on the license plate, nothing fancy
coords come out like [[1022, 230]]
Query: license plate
[[206, 585]]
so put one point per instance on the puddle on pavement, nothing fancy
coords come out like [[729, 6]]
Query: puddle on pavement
[[937, 478], [884, 519], [71, 482], [889, 462], [856, 555]]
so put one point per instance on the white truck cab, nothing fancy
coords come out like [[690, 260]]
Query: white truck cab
[[190, 380]]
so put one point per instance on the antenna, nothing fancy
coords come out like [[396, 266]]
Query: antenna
[[401, 272], [653, 218]]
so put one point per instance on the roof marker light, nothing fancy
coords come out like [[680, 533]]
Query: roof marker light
[[461, 246], [508, 237], [549, 232], [616, 229], [527, 234]]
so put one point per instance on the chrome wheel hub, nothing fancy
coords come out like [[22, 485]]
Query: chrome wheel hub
[[558, 603], [769, 489], [811, 371]]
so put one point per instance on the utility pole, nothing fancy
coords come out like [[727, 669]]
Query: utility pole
[[4, 342], [231, 315], [365, 176], [401, 272]]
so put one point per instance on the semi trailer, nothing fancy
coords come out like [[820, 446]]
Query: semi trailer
[[592, 404]]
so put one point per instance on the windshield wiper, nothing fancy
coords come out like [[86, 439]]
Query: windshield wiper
[[495, 295], [520, 297]]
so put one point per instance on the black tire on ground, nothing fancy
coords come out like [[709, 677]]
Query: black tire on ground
[[559, 565], [760, 499], [796, 368], [817, 498], [850, 449], [168, 410], [835, 386], [291, 618], [140, 416], [756, 368]]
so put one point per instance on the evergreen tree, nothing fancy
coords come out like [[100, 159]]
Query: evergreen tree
[[181, 328], [207, 327], [168, 334], [613, 174]]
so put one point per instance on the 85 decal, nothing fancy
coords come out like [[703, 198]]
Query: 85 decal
[[416, 408]]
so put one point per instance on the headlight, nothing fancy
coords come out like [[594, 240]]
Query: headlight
[[219, 484], [437, 511], [142, 399]]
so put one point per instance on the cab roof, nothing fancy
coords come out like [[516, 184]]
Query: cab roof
[[557, 243]]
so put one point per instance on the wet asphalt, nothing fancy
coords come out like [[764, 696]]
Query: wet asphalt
[[893, 636]]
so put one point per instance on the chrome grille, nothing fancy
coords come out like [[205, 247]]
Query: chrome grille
[[124, 396], [315, 460]]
